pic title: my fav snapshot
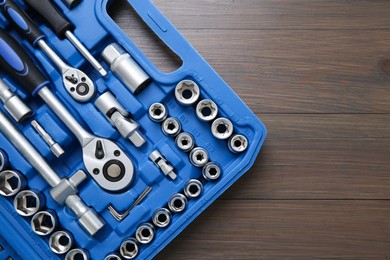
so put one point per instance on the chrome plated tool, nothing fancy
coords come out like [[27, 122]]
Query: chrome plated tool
[[76, 82], [13, 104], [55, 147]]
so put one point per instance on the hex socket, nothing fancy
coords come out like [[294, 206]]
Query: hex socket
[[43, 223], [28, 202], [145, 233], [162, 218], [177, 203], [77, 254], [193, 189], [60, 242], [129, 248], [11, 182]]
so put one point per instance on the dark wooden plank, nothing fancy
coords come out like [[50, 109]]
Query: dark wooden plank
[[240, 229], [272, 14]]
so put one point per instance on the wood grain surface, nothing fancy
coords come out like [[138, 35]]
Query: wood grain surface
[[317, 73]]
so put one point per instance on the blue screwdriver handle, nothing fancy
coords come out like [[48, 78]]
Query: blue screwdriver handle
[[16, 62], [21, 21]]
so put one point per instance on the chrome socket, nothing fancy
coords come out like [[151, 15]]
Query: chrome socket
[[238, 143], [193, 189], [125, 68], [129, 249], [13, 104], [162, 218], [11, 182], [187, 92], [177, 203], [185, 141], [60, 242], [207, 110], [77, 254], [145, 233], [3, 160], [43, 223], [159, 160], [171, 127], [112, 256], [199, 157], [211, 171], [158, 112], [28, 202], [222, 128]]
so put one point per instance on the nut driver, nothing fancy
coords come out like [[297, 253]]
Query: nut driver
[[105, 161], [63, 29], [76, 82]]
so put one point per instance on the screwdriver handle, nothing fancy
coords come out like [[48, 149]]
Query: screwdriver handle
[[15, 61], [21, 21], [59, 24]]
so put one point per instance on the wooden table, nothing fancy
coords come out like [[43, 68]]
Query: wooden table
[[317, 73]]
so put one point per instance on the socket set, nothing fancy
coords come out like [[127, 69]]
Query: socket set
[[103, 156]]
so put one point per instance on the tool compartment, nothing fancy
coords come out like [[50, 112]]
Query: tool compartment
[[96, 29]]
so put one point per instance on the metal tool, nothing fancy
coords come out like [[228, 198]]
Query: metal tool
[[77, 254], [193, 189], [158, 112], [187, 92], [125, 68], [117, 115], [171, 127], [13, 104], [11, 182], [76, 82], [28, 202], [63, 29], [199, 157], [145, 233], [207, 110], [212, 171], [222, 128], [177, 203], [3, 160], [238, 143], [43, 223], [185, 141], [64, 191], [113, 256], [60, 242], [162, 218], [120, 216], [71, 3], [162, 164], [53, 145], [105, 161], [129, 248]]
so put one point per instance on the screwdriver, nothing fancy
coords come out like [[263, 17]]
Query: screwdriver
[[63, 29], [76, 82]]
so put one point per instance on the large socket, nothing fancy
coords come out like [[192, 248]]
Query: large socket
[[28, 202], [11, 182], [13, 104], [43, 223]]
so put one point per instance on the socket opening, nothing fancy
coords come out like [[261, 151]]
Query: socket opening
[[129, 249]]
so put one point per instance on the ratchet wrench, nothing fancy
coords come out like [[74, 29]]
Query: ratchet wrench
[[76, 82], [105, 161]]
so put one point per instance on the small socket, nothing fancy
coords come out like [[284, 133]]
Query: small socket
[[185, 142], [60, 242], [129, 249], [238, 143], [43, 223], [222, 128], [199, 157], [177, 203], [187, 92], [207, 110], [211, 171], [171, 127], [77, 254], [112, 256], [145, 233], [193, 189], [28, 202], [11, 182], [158, 112], [3, 160], [162, 218]]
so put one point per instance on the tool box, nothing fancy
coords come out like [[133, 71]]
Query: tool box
[[123, 156]]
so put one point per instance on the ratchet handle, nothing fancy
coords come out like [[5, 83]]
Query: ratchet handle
[[21, 21], [16, 62], [52, 15]]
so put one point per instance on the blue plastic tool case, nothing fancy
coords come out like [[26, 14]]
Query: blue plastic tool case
[[96, 29]]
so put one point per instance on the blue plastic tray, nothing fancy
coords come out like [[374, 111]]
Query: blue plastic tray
[[96, 29]]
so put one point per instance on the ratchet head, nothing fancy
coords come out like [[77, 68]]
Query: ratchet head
[[78, 84], [110, 167]]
